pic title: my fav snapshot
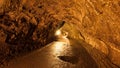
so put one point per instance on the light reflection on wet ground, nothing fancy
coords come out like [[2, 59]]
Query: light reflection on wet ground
[[59, 54]]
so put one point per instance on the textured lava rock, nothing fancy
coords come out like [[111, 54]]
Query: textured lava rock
[[97, 21], [25, 25], [99, 24]]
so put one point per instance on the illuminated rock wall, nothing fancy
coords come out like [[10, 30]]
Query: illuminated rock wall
[[96, 20]]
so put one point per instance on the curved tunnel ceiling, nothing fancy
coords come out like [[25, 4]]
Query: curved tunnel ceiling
[[94, 21]]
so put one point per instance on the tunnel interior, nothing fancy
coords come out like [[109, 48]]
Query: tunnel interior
[[29, 25]]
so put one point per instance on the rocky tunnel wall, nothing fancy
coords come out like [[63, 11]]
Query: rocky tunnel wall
[[97, 20]]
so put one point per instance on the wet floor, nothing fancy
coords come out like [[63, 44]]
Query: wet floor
[[60, 54]]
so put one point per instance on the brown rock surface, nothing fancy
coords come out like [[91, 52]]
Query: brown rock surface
[[97, 21], [100, 26]]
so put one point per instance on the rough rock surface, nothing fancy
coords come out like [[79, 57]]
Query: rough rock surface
[[24, 26], [96, 20], [99, 24]]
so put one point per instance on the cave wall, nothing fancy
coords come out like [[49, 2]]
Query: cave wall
[[26, 25], [19, 15], [97, 20]]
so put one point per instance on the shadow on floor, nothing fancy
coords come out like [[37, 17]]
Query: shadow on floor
[[70, 59]]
